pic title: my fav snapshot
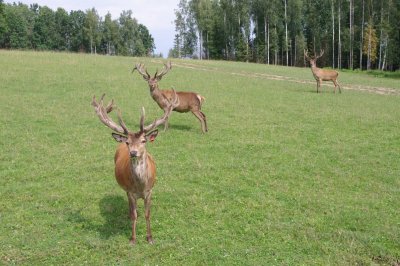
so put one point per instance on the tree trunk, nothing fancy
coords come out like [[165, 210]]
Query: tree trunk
[[339, 39], [208, 50], [268, 43], [286, 35], [276, 50], [315, 52], [333, 35], [91, 45], [387, 38], [351, 33], [226, 39], [201, 44], [381, 38], [295, 51], [362, 33], [369, 49], [265, 40], [384, 57]]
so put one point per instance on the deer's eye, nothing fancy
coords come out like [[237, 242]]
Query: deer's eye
[[144, 141], [127, 143]]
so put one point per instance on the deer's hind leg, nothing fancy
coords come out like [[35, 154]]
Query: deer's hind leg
[[202, 118], [337, 84]]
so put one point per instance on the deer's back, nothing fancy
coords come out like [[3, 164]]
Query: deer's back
[[188, 101], [325, 74]]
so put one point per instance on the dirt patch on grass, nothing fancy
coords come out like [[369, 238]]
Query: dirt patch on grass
[[355, 87]]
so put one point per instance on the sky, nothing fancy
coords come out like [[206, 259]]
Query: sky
[[157, 15]]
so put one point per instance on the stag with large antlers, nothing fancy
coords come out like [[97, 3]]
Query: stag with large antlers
[[322, 74], [188, 101], [135, 169]]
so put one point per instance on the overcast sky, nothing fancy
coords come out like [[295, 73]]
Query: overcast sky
[[157, 15]]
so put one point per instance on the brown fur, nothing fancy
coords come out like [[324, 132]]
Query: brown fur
[[135, 175], [325, 75], [188, 101], [322, 74], [123, 172], [135, 169]]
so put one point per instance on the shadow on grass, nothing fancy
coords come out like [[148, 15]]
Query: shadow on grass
[[384, 74], [179, 127], [114, 210]]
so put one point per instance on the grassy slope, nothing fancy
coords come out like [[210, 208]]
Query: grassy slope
[[285, 176]]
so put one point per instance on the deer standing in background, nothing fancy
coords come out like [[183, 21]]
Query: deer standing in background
[[322, 74], [135, 169], [188, 101]]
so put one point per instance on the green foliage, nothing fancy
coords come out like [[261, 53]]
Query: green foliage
[[77, 19], [284, 176], [62, 30], [91, 28], [43, 29], [3, 24], [185, 39], [147, 40], [224, 30], [17, 34]]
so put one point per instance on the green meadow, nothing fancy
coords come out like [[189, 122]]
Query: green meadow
[[285, 176]]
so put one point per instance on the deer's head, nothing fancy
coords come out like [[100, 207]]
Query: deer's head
[[136, 141], [313, 60], [152, 81]]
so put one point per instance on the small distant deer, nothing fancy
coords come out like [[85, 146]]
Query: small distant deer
[[135, 169], [322, 74], [188, 101]]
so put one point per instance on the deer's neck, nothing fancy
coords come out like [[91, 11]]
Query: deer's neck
[[156, 93], [139, 169], [315, 70], [158, 97]]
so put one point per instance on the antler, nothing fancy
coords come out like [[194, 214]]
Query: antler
[[142, 70], [102, 111], [320, 54], [167, 67], [171, 105], [306, 54]]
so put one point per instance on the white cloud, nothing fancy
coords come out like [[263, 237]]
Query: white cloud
[[157, 15]]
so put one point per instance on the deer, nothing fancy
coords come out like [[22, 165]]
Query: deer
[[188, 101], [135, 169], [322, 74]]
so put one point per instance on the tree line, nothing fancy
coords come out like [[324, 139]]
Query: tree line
[[41, 28], [361, 34]]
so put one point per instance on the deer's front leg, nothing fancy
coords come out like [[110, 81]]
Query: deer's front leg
[[133, 215], [147, 205], [318, 85]]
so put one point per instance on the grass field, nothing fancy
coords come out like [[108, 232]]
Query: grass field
[[285, 176]]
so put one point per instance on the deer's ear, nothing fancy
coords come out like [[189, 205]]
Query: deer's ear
[[119, 137], [151, 136]]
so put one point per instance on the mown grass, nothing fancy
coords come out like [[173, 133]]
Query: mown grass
[[284, 176]]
